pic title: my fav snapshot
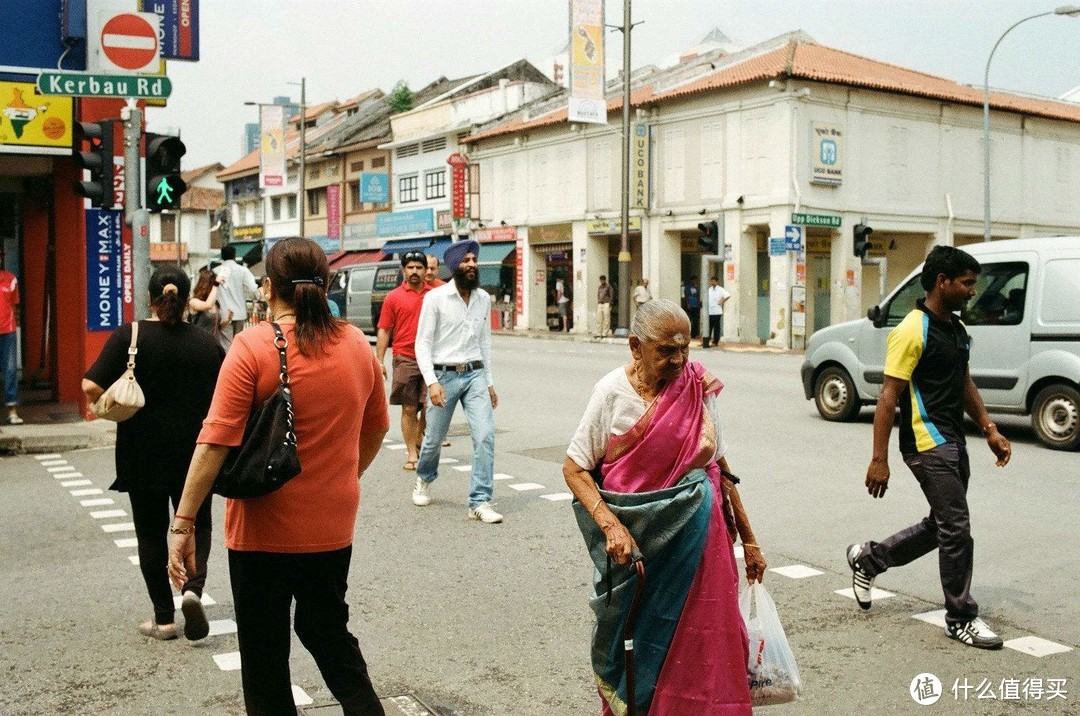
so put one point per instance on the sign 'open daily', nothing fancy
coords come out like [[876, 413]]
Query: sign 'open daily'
[[81, 84]]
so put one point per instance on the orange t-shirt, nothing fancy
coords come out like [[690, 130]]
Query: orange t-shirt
[[336, 394]]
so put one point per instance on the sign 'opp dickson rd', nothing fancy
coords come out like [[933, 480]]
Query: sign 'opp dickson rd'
[[82, 84]]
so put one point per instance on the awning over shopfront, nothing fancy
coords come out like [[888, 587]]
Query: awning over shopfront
[[439, 248], [495, 253], [552, 248], [243, 248], [341, 259]]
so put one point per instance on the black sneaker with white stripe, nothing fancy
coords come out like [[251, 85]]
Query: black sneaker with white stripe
[[861, 582], [974, 633]]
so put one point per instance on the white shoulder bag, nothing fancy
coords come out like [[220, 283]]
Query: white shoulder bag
[[124, 397]]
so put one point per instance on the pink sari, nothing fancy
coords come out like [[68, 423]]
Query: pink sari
[[704, 672]]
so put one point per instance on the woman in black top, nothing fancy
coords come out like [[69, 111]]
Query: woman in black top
[[176, 366]]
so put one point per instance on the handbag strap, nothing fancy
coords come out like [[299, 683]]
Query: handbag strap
[[281, 343], [134, 347]]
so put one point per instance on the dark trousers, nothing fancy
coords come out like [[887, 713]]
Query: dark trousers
[[150, 515], [695, 321], [943, 474], [264, 585], [713, 334]]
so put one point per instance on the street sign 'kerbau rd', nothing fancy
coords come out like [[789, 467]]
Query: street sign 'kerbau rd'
[[81, 84]]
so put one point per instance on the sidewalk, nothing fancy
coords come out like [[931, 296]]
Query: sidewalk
[[615, 340], [54, 427]]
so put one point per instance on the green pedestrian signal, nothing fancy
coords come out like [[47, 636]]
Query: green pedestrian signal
[[164, 186]]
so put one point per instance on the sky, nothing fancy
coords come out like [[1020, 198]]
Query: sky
[[250, 50]]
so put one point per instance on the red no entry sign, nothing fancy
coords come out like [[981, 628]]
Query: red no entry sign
[[130, 42]]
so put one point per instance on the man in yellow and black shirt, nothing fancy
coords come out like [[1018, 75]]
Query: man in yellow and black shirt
[[926, 373]]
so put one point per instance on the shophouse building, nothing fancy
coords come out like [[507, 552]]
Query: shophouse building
[[788, 133]]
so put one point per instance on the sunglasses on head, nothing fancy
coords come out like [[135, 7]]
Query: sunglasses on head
[[414, 256]]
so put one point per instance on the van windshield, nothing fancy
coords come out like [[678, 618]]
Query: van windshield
[[999, 298], [903, 302]]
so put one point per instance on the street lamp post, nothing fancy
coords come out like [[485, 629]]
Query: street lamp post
[[1068, 10], [303, 156]]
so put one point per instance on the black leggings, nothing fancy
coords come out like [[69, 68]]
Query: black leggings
[[264, 585], [150, 514]]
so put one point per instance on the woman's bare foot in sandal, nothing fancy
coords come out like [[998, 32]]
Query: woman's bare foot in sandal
[[409, 465], [161, 632]]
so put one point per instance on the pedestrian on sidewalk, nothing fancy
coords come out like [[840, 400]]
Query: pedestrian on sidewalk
[[692, 299], [432, 277], [562, 304], [294, 544], [718, 296], [237, 284], [453, 349], [203, 310], [605, 295], [397, 327], [651, 440], [926, 373], [176, 366], [642, 293], [9, 328]]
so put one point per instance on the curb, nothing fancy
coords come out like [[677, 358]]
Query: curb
[[12, 444]]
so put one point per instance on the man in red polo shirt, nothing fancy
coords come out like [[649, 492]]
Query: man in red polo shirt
[[397, 328], [9, 325]]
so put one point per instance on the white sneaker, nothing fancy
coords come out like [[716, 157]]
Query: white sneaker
[[420, 496], [485, 513]]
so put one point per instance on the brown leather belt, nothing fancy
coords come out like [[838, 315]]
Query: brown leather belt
[[460, 367]]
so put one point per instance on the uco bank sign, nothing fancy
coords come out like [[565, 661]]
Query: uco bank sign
[[119, 40]]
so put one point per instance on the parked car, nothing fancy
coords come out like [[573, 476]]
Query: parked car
[[359, 291], [1025, 328]]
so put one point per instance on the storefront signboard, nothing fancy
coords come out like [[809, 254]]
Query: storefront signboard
[[639, 172], [361, 230], [375, 188], [247, 232], [499, 233], [816, 220], [827, 154], [396, 223], [32, 124], [443, 220], [519, 278], [551, 234], [776, 246], [611, 226], [108, 270]]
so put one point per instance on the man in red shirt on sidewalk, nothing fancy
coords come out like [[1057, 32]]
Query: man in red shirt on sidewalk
[[397, 328], [9, 325]]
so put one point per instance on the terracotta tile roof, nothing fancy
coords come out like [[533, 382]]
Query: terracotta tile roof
[[202, 199], [241, 167], [198, 172]]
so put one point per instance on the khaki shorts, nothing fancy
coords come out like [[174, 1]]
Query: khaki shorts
[[407, 385]]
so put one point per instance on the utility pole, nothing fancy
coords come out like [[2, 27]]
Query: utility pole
[[135, 215], [303, 157], [624, 246]]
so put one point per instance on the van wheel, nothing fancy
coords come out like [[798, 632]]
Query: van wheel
[[1055, 416], [835, 396]]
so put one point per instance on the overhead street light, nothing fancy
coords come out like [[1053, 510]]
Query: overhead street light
[[1067, 10]]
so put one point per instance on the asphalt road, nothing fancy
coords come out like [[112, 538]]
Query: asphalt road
[[493, 619]]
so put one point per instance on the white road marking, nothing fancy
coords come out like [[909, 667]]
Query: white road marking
[[1036, 647], [300, 697], [875, 593], [50, 456], [76, 483], [396, 447], [97, 502], [102, 514], [558, 496], [222, 626], [523, 486], [462, 468], [936, 617], [68, 475], [119, 527], [134, 559], [207, 600], [85, 491], [53, 463], [229, 661], [126, 542], [502, 476], [386, 440], [448, 460], [64, 468], [797, 571]]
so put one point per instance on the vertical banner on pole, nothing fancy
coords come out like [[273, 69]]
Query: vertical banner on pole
[[105, 285], [271, 146], [333, 211], [458, 162], [587, 102]]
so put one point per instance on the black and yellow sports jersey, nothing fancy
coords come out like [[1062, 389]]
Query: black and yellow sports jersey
[[932, 355]]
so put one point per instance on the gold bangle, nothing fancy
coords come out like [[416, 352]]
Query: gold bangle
[[595, 505], [750, 544], [174, 530]]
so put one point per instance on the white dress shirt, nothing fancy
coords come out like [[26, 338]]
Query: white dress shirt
[[238, 283], [450, 332], [717, 294]]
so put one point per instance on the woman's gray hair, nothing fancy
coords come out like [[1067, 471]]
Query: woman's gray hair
[[651, 317]]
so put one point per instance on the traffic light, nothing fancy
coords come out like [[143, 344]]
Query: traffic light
[[97, 159], [862, 239], [709, 239], [164, 187]]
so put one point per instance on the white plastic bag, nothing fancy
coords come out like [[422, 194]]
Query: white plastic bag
[[771, 671]]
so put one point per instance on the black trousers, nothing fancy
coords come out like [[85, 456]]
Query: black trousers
[[943, 474], [264, 585], [150, 515], [713, 335], [695, 321]]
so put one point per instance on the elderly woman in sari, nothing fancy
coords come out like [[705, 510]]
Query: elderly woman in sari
[[651, 437]]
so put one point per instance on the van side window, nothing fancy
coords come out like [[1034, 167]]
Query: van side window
[[1000, 295], [356, 281], [903, 302]]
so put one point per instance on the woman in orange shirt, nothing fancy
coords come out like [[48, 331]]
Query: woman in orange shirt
[[296, 542]]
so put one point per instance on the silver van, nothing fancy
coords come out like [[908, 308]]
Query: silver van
[[1025, 328], [359, 291]]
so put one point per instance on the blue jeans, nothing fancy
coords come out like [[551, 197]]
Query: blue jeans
[[9, 361], [470, 389]]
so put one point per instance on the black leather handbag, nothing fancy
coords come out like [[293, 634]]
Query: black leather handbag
[[266, 458]]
